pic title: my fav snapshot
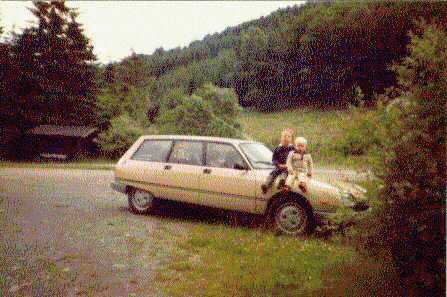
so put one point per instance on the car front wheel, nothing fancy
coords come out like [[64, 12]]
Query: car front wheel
[[293, 218], [140, 202]]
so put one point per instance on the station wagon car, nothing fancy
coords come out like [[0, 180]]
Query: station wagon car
[[223, 173]]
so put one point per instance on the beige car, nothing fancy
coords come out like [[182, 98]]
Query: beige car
[[223, 173]]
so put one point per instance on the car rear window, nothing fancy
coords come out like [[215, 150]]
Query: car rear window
[[187, 152], [153, 151]]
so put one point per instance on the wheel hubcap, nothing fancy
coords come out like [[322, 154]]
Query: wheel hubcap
[[142, 200], [291, 219]]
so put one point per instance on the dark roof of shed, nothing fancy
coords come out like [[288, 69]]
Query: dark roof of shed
[[72, 131]]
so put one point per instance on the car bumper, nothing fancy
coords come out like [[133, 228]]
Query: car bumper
[[350, 214], [119, 187]]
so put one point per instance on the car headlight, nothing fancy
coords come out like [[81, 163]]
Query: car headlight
[[347, 199]]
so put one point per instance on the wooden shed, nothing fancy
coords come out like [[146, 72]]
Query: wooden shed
[[61, 142]]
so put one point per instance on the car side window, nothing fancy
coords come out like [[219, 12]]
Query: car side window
[[187, 152], [223, 156], [153, 151]]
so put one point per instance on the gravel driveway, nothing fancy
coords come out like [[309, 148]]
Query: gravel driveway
[[73, 218]]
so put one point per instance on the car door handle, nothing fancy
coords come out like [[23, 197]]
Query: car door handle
[[167, 167], [207, 171]]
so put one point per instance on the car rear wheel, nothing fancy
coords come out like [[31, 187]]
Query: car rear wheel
[[140, 202], [292, 218]]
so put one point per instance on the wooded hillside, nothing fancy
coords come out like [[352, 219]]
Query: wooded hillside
[[318, 53]]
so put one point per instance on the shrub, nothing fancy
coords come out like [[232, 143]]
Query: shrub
[[172, 99], [129, 100], [190, 117], [411, 224], [120, 136], [362, 133], [209, 111]]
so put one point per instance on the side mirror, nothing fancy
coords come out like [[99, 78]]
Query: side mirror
[[239, 167]]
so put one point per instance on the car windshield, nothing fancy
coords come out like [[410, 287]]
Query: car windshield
[[258, 155]]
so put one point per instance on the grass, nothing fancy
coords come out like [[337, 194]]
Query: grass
[[215, 260], [322, 129]]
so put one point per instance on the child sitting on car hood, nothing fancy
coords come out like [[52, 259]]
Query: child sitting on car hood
[[279, 158], [299, 165]]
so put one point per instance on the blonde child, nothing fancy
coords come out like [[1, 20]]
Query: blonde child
[[279, 158], [299, 165]]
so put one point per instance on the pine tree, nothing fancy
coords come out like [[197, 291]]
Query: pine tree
[[56, 61], [9, 79]]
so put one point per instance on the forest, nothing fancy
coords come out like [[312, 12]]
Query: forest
[[318, 54]]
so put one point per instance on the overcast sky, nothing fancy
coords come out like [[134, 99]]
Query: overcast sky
[[117, 27]]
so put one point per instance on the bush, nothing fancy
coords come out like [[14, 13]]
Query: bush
[[122, 99], [120, 136], [209, 111], [363, 133], [411, 224]]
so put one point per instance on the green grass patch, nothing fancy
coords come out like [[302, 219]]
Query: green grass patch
[[324, 131], [214, 260]]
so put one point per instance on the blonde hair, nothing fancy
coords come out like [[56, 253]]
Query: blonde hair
[[288, 131], [301, 140]]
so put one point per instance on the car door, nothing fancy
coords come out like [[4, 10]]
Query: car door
[[226, 180], [183, 169], [146, 167]]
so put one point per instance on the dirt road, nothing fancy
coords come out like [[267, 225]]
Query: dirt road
[[74, 219]]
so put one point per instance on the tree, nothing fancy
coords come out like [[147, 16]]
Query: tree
[[58, 83], [209, 111], [320, 53], [411, 225], [253, 69], [134, 102], [12, 111], [8, 83], [122, 133]]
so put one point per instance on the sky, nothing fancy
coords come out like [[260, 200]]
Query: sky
[[118, 27]]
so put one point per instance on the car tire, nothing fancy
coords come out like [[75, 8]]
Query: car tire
[[293, 217], [140, 202]]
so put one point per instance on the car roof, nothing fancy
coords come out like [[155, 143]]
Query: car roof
[[202, 138]]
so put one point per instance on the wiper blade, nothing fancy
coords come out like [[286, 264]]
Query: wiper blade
[[264, 162]]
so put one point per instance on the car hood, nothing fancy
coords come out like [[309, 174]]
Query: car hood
[[325, 183], [357, 191]]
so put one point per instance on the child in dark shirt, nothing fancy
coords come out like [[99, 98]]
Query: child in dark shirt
[[279, 158]]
